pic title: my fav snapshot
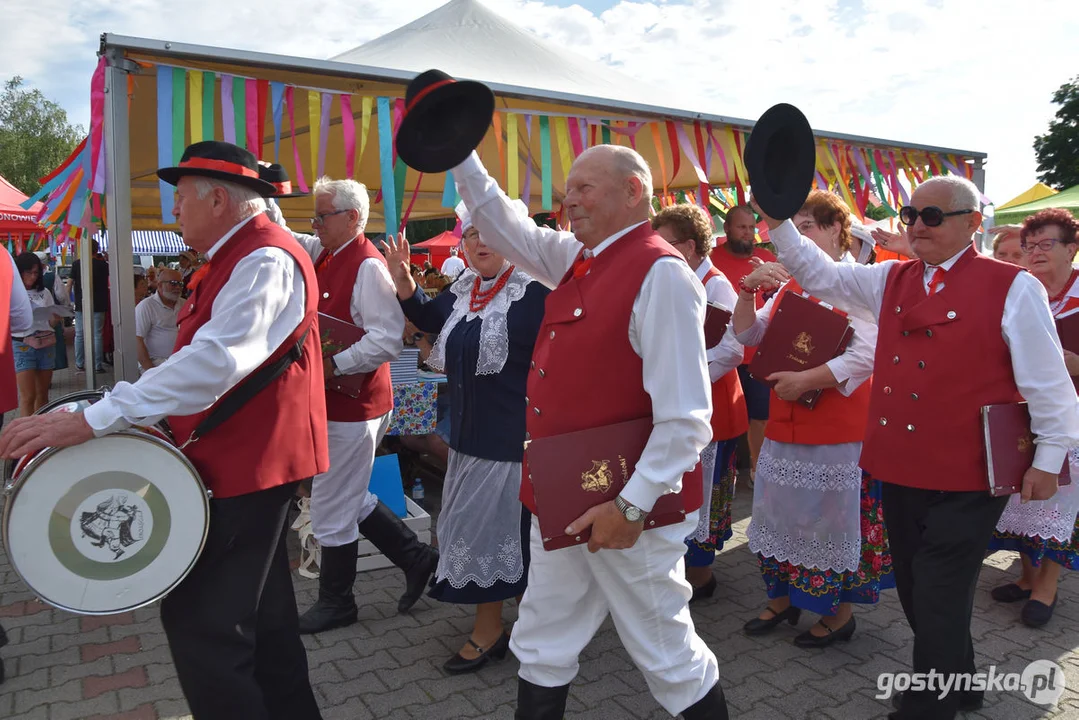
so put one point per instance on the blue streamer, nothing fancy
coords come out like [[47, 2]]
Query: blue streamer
[[449, 192], [50, 185], [164, 138], [385, 158], [277, 101]]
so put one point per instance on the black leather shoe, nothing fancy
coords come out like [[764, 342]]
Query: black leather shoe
[[458, 665], [535, 702], [809, 640], [713, 706], [756, 626], [1009, 593], [400, 545], [704, 591], [336, 606], [1035, 614], [968, 701]]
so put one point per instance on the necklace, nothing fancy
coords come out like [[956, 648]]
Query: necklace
[[1057, 300], [481, 298]]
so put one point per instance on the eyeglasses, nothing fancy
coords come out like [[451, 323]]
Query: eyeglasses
[[806, 225], [320, 219], [1045, 245], [932, 216], [174, 283]]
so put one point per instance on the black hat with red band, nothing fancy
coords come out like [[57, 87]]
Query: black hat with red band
[[445, 120], [221, 161], [277, 176]]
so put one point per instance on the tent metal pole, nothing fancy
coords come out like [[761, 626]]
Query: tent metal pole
[[118, 179]]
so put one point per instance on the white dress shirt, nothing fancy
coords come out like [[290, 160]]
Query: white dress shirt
[[667, 337], [256, 310], [19, 309], [1027, 327], [453, 266], [155, 323], [850, 369], [729, 353], [373, 307]]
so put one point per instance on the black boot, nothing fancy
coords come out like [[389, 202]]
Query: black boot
[[336, 606], [712, 706], [400, 545], [535, 702]]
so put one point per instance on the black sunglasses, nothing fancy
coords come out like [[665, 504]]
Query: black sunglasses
[[932, 216]]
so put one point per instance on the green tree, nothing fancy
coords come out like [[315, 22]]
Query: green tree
[[35, 135], [1058, 149]]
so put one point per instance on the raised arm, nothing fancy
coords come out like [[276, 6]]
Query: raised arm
[[543, 253]]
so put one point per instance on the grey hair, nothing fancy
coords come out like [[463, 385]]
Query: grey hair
[[627, 163], [246, 201], [964, 194], [347, 195]]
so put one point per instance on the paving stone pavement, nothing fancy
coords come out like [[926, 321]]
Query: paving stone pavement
[[64, 667]]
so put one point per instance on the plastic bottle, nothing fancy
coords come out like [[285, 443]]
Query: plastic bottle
[[417, 492]]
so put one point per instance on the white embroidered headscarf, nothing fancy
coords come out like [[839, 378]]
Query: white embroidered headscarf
[[494, 331]]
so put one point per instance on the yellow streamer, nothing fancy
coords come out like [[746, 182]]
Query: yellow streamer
[[194, 105], [561, 128], [314, 118], [732, 152], [365, 125], [657, 140], [496, 121], [843, 185], [513, 157]]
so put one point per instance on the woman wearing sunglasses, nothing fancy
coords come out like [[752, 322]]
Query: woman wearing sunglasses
[[808, 483], [1045, 532]]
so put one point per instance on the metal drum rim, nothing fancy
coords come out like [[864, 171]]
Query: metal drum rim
[[49, 452]]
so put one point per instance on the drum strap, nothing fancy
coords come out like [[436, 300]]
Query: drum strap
[[249, 388]]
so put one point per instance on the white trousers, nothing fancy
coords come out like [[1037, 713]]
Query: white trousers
[[339, 497], [571, 591]]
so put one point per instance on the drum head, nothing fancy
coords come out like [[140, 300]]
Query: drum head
[[106, 526], [72, 402]]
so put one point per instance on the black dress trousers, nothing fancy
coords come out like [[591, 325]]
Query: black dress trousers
[[938, 542], [232, 624]]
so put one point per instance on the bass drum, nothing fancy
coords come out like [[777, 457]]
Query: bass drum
[[107, 526]]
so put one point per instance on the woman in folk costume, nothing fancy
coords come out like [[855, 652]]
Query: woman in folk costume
[[688, 229], [817, 526], [487, 323], [1046, 532]]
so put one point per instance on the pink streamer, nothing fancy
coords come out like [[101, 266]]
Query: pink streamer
[[719, 149], [691, 153], [300, 182], [527, 192], [575, 136], [97, 124], [251, 100], [324, 131], [348, 129]]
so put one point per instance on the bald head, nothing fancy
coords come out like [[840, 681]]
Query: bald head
[[609, 188]]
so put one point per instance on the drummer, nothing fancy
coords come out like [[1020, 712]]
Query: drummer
[[232, 623]]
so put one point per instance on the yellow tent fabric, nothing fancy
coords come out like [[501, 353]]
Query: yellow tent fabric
[[1036, 192]]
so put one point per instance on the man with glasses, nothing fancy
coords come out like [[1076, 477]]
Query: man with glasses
[[957, 331], [355, 286], [155, 321]]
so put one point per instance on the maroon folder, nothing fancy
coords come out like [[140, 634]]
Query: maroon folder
[[576, 471], [716, 320], [337, 335], [1068, 330], [803, 334], [1009, 448]]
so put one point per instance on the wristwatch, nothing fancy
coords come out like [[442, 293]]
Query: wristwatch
[[336, 370], [631, 512]]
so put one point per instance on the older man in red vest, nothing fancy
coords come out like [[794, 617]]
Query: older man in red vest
[[957, 331], [622, 338], [232, 623], [355, 286]]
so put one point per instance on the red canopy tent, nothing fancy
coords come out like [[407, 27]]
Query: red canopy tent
[[16, 224], [439, 247]]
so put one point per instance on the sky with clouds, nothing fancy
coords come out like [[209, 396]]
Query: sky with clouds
[[969, 74]]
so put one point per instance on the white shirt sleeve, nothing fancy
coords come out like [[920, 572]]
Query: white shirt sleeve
[[254, 313], [543, 253], [19, 309], [858, 289], [855, 365], [727, 355], [310, 243], [667, 331], [752, 336], [144, 318], [1040, 373], [374, 307]]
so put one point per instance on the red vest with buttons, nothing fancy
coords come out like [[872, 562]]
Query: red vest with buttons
[[336, 280], [584, 372], [9, 389], [729, 415], [835, 419], [279, 436], [939, 360]]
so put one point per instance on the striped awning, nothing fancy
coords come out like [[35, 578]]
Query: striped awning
[[148, 242]]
